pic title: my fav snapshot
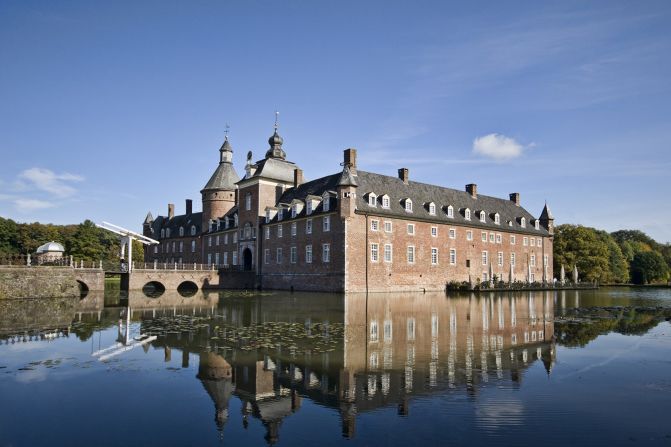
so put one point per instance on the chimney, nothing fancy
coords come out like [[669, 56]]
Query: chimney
[[298, 177], [350, 158], [171, 210], [515, 197], [189, 206], [403, 174], [472, 189]]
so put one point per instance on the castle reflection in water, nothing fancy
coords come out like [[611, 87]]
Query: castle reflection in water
[[394, 348]]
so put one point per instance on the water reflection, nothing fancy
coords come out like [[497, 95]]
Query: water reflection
[[350, 354]]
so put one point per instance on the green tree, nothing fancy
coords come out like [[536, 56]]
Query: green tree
[[87, 242], [647, 267], [618, 266], [582, 246], [8, 236]]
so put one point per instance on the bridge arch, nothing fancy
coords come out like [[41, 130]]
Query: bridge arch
[[187, 288], [83, 289], [153, 289]]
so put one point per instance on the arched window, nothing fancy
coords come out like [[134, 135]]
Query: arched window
[[537, 224], [497, 219], [193, 230], [523, 222], [467, 214], [408, 206], [482, 216], [372, 199], [432, 209], [386, 203], [450, 211]]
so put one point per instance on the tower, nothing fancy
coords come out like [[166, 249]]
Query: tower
[[546, 220], [219, 194]]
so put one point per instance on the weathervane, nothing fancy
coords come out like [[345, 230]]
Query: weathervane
[[277, 117], [226, 131]]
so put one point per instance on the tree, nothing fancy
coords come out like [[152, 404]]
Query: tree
[[8, 233], [86, 242], [618, 267], [647, 267], [582, 246]]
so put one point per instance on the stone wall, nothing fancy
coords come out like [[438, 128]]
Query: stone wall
[[37, 282]]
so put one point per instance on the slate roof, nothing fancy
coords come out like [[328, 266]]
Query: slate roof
[[182, 220], [275, 168], [422, 194], [224, 177]]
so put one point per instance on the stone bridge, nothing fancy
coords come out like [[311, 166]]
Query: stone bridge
[[170, 279]]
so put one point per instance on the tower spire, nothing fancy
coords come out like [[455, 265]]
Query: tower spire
[[275, 142], [226, 151]]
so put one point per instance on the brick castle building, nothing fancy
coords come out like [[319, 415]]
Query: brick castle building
[[351, 231]]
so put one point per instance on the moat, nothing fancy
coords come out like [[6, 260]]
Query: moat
[[588, 367]]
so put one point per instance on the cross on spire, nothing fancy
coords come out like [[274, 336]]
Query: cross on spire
[[226, 131], [277, 117]]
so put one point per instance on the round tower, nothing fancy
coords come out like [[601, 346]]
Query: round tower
[[220, 193]]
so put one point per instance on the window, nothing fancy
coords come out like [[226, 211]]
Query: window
[[498, 238], [482, 216], [163, 232], [209, 241], [485, 257], [266, 232], [280, 214], [545, 260], [385, 201], [293, 228], [497, 219], [411, 254], [293, 254], [173, 246], [193, 247], [408, 206], [267, 216], [537, 224], [512, 259], [155, 249], [411, 229], [523, 222], [326, 252], [247, 231], [374, 252], [167, 232], [235, 258], [434, 256], [484, 236], [469, 235], [453, 233], [432, 209], [279, 231], [235, 237], [532, 261], [326, 203], [450, 211], [294, 210], [181, 231], [538, 242], [374, 225], [387, 226], [209, 259], [372, 199], [308, 254], [278, 258], [266, 256], [467, 214], [387, 252], [226, 239], [308, 226], [532, 242], [226, 258], [327, 223], [181, 246], [453, 256], [193, 230], [525, 241], [499, 258], [434, 231], [491, 237], [216, 259], [216, 240], [512, 240], [248, 201]]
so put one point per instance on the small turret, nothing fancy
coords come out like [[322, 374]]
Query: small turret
[[546, 219]]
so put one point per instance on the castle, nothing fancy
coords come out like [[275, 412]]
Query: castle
[[352, 231]]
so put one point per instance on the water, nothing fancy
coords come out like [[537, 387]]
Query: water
[[305, 369]]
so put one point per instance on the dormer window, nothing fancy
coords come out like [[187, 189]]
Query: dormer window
[[267, 216], [523, 222], [467, 214], [280, 214], [537, 224], [432, 209], [218, 224], [163, 232], [408, 206], [309, 207], [226, 223], [293, 211], [193, 230], [326, 203], [167, 232], [483, 216], [235, 219], [181, 231], [372, 199], [386, 203], [450, 211], [497, 219]]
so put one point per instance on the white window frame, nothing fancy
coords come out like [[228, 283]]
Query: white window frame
[[308, 254], [248, 201], [326, 253], [374, 252], [450, 211], [434, 231], [453, 256], [410, 254], [266, 232], [483, 216], [278, 255], [434, 255], [452, 233], [432, 209], [467, 214], [374, 225], [485, 257], [293, 254], [512, 239], [469, 235], [266, 256], [308, 226], [372, 200], [408, 206], [497, 219], [326, 223], [388, 253], [411, 229], [386, 202], [499, 259]]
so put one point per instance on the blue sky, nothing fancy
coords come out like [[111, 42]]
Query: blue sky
[[112, 109]]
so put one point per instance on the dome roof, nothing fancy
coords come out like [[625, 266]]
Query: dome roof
[[50, 247]]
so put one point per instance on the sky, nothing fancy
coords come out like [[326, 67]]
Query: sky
[[109, 110]]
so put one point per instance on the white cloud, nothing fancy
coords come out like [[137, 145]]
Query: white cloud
[[498, 147], [48, 181], [27, 205]]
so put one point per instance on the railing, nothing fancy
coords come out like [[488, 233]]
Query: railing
[[175, 266], [16, 260]]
